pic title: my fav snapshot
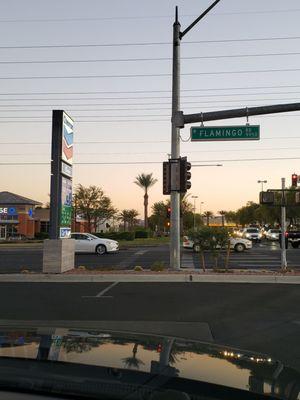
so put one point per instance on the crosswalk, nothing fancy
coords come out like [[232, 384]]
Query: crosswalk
[[257, 258]]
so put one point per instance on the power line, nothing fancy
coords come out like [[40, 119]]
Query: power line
[[135, 98], [135, 104], [82, 19], [148, 75], [154, 162], [148, 59], [149, 91], [165, 120], [148, 43], [151, 152], [131, 142]]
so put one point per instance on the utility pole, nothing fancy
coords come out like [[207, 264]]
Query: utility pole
[[283, 226], [175, 136]]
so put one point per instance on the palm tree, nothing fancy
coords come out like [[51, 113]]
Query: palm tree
[[207, 215], [133, 361], [145, 181], [124, 218], [222, 213]]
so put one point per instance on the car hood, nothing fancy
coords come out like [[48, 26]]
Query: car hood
[[131, 358]]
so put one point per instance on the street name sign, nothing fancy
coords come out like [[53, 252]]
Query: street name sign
[[215, 133]]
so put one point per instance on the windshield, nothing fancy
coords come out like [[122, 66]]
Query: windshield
[[147, 148]]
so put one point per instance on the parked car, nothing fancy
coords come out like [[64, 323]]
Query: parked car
[[88, 243], [272, 234], [237, 244], [253, 234], [293, 237]]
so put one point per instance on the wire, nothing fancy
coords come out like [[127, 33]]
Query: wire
[[148, 59], [149, 43], [135, 98], [150, 152], [79, 19], [135, 104], [148, 75], [154, 162], [150, 91], [130, 142]]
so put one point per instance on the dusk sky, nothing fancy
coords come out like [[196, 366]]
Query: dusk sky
[[127, 118]]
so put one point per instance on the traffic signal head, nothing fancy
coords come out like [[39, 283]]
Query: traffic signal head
[[294, 179], [266, 198], [169, 212], [166, 177], [185, 175]]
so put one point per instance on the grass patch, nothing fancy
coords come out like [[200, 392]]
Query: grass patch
[[144, 242], [158, 266]]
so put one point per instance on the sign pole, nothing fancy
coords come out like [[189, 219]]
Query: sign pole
[[283, 226]]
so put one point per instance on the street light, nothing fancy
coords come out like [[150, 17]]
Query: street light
[[194, 197], [262, 184], [201, 202]]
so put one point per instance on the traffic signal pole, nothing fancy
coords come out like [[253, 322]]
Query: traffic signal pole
[[175, 136], [175, 149]]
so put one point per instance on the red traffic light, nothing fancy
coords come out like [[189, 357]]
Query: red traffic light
[[294, 179]]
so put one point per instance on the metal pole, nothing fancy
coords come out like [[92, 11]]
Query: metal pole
[[175, 149], [283, 226], [195, 197]]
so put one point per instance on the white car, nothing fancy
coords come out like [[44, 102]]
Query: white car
[[272, 234], [237, 244], [252, 234], [88, 243]]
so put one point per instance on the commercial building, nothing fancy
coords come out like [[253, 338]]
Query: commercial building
[[21, 217], [17, 216]]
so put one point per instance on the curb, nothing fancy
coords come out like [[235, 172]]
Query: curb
[[147, 278]]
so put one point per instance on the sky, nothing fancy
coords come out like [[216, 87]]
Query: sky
[[120, 118]]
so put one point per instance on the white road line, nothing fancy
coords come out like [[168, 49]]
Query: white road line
[[100, 294], [107, 289], [140, 252]]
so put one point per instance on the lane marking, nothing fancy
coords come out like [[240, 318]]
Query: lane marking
[[101, 294]]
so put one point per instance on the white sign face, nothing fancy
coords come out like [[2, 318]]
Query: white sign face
[[3, 210], [67, 139]]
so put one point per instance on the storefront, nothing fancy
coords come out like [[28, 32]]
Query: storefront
[[16, 216]]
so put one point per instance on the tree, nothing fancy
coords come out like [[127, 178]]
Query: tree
[[158, 217], [92, 204], [207, 215], [223, 214], [133, 361], [128, 217], [145, 181]]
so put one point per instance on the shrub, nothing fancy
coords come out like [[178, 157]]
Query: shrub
[[138, 268], [41, 235], [141, 234], [116, 235], [81, 268], [158, 266]]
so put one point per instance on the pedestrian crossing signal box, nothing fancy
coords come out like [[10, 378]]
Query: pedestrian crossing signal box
[[266, 198]]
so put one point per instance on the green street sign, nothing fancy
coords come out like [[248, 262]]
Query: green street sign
[[215, 133]]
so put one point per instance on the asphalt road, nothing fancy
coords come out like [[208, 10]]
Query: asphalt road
[[257, 317], [261, 256]]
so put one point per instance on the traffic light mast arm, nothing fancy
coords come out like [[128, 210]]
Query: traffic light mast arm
[[181, 119]]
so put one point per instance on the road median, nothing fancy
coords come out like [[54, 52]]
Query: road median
[[148, 276]]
